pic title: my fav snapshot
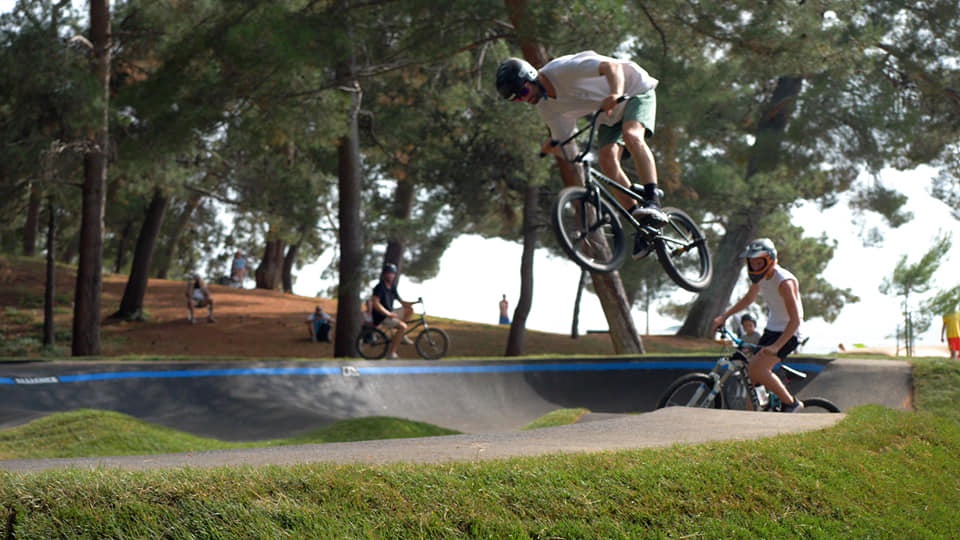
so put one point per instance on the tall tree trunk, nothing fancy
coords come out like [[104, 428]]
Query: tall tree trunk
[[575, 322], [742, 227], [289, 260], [165, 256], [268, 272], [31, 226], [87, 297], [402, 209], [518, 326], [609, 287], [50, 289], [121, 258], [349, 314], [131, 305], [726, 270]]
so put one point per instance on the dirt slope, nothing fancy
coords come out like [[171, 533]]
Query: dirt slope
[[250, 323]]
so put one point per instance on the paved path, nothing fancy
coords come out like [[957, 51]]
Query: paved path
[[490, 401], [662, 428]]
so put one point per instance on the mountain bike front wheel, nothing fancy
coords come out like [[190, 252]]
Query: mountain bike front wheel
[[588, 230], [683, 253], [432, 344], [691, 390]]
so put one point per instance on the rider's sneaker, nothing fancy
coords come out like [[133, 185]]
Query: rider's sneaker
[[406, 341], [392, 356], [796, 406], [641, 247], [650, 213]]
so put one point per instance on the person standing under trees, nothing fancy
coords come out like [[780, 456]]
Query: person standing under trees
[[781, 290], [238, 270], [951, 331], [504, 308], [383, 313], [570, 87]]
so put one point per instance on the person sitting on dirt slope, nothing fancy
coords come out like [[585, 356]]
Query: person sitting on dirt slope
[[318, 323], [199, 296]]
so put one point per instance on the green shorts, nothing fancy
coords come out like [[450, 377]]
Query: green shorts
[[642, 108]]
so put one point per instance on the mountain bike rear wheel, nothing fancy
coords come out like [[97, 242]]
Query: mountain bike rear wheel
[[588, 230], [432, 343], [691, 390], [818, 405], [683, 253], [372, 343]]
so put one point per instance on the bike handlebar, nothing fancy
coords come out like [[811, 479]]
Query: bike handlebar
[[739, 343], [591, 125]]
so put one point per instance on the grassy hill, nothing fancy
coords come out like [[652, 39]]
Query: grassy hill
[[879, 473]]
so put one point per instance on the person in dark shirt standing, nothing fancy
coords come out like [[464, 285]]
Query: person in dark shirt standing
[[383, 313]]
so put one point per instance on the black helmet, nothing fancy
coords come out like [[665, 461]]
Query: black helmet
[[761, 248], [512, 74], [389, 267]]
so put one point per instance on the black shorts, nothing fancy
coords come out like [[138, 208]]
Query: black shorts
[[770, 337]]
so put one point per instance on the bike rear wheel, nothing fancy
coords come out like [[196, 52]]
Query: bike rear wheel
[[691, 390], [372, 343], [818, 405], [432, 343], [588, 230], [683, 253]]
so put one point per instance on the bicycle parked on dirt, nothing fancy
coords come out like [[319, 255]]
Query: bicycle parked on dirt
[[431, 343], [589, 230], [728, 386]]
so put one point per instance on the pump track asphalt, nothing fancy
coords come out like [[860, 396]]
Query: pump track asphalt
[[489, 401]]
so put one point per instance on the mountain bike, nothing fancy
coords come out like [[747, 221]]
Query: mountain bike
[[587, 222], [431, 343], [728, 385]]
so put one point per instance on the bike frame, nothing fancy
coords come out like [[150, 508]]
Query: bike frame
[[414, 323], [599, 184], [737, 365]]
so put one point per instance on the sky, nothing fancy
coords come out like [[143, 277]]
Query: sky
[[475, 272]]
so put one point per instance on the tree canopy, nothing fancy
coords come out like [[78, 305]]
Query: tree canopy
[[242, 106]]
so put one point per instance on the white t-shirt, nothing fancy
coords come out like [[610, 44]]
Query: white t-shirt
[[581, 89], [778, 317], [198, 294], [324, 316]]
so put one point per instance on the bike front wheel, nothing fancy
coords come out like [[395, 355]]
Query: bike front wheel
[[432, 343], [588, 230], [818, 405], [372, 343], [691, 390], [683, 253]]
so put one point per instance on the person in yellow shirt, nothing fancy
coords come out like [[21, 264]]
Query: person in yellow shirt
[[951, 330]]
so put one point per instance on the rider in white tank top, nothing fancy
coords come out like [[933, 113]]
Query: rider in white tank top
[[778, 317]]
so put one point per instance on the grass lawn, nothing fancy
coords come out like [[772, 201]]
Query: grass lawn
[[880, 473]]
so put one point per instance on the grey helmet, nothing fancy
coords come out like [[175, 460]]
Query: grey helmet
[[512, 75]]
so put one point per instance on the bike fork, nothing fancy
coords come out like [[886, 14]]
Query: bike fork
[[698, 398]]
